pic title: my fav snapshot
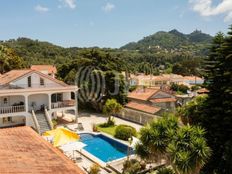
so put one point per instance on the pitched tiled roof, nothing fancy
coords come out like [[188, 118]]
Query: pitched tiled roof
[[23, 151], [12, 75], [162, 100], [202, 90], [49, 68], [15, 74], [143, 94], [143, 107]]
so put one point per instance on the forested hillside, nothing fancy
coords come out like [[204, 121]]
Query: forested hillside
[[196, 42], [162, 52]]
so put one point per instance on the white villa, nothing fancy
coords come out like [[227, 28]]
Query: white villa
[[29, 97]]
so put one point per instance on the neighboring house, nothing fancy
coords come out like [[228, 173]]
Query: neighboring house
[[24, 151], [45, 69], [151, 100], [29, 97], [162, 80], [193, 80]]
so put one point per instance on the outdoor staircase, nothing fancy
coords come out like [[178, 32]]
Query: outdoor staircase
[[43, 122]]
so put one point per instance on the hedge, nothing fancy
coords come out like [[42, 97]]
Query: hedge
[[124, 132]]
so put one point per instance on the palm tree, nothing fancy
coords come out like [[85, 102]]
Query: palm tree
[[155, 138], [188, 152], [184, 148]]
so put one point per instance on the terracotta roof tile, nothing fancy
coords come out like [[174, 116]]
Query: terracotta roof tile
[[143, 94], [12, 75], [23, 151], [162, 100], [49, 68], [15, 74], [143, 107], [202, 90]]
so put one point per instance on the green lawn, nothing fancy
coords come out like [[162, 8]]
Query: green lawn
[[109, 130]]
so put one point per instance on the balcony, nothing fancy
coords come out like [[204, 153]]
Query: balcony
[[63, 104], [12, 109]]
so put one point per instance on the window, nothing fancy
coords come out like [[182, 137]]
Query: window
[[5, 100], [41, 82], [56, 97], [9, 119], [29, 81]]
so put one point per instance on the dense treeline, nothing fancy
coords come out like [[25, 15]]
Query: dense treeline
[[162, 52], [214, 111], [10, 60]]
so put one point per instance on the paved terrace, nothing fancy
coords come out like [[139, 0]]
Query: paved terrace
[[88, 119]]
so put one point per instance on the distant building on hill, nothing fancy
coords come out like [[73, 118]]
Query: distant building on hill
[[164, 79]]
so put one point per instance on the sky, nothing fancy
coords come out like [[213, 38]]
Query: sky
[[109, 23]]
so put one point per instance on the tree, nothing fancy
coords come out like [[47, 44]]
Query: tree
[[192, 112], [110, 108], [9, 60], [217, 117], [183, 147], [188, 151]]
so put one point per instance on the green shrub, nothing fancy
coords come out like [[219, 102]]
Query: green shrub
[[131, 166], [94, 169], [165, 170], [124, 132], [180, 88], [54, 122], [109, 123]]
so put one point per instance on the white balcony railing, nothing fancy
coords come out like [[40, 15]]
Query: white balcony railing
[[12, 109], [63, 104]]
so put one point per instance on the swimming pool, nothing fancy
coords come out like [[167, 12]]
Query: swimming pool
[[103, 147]]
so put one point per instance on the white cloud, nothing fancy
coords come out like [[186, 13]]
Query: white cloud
[[41, 9], [206, 8], [69, 3], [108, 7]]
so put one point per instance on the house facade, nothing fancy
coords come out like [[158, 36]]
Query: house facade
[[32, 98], [162, 80], [146, 104], [155, 99]]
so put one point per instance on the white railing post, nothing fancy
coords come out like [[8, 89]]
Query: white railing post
[[37, 127], [49, 119]]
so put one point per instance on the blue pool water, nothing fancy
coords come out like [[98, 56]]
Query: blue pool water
[[103, 147]]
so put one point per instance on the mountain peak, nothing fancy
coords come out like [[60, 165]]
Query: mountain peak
[[172, 40]]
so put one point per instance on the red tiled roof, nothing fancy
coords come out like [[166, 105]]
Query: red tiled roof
[[23, 151], [162, 100], [49, 68], [143, 107], [15, 74], [12, 75], [202, 90], [143, 94]]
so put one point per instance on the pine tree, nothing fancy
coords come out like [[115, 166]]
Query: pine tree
[[217, 119]]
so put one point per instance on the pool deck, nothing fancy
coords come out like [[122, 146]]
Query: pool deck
[[87, 120]]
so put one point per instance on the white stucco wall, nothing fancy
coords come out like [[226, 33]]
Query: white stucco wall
[[35, 81], [11, 100], [39, 99], [67, 96]]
